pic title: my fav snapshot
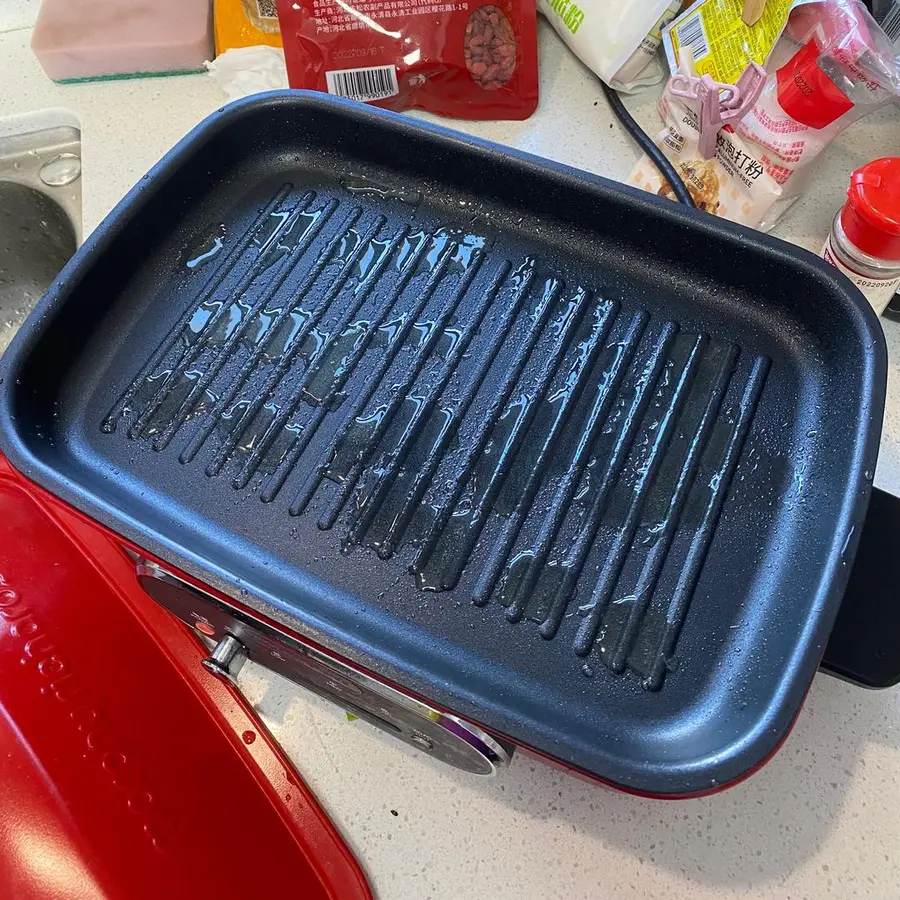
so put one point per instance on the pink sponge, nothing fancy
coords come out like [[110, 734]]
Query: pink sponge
[[82, 40]]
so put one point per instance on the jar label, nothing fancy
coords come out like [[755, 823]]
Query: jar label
[[878, 291]]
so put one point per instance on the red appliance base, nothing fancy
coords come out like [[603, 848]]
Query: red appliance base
[[128, 771]]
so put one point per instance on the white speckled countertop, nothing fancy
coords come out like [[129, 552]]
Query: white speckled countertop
[[818, 822]]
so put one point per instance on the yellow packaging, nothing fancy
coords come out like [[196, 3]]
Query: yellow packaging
[[245, 23], [722, 44]]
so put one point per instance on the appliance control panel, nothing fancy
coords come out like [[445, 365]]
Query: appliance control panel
[[239, 636]]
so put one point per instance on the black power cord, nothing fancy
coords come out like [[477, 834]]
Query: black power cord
[[645, 142]]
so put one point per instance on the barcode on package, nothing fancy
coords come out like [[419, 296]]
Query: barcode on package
[[691, 34], [266, 9], [363, 84]]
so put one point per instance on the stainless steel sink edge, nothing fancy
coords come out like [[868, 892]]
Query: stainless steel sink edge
[[40, 208]]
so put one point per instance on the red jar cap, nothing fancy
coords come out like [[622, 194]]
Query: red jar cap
[[871, 216]]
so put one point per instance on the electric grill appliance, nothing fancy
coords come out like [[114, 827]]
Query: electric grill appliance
[[487, 450]]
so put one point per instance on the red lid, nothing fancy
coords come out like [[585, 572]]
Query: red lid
[[128, 772], [806, 93], [871, 216]]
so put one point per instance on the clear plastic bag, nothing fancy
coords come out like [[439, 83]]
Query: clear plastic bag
[[832, 66]]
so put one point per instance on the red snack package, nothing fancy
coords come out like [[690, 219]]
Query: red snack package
[[469, 60]]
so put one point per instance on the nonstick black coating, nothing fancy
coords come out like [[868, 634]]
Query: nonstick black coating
[[570, 460]]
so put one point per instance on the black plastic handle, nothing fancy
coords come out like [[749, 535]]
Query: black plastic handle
[[864, 646]]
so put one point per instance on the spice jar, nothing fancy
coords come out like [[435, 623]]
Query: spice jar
[[864, 242]]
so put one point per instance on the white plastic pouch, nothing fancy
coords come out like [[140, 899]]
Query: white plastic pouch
[[615, 40]]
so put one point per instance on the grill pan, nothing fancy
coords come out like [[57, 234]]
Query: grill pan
[[565, 458]]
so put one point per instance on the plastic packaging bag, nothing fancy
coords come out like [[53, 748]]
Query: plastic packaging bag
[[722, 45], [262, 15], [841, 67], [732, 184], [616, 40], [469, 60], [245, 23]]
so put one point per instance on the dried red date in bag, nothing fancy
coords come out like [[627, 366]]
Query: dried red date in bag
[[467, 60], [490, 47]]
